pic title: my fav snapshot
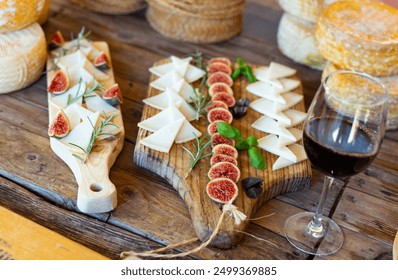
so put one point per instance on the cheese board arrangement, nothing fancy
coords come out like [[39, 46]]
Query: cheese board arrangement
[[226, 136], [85, 121]]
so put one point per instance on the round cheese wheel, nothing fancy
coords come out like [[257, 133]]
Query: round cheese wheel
[[360, 35], [45, 12], [23, 54], [391, 82], [296, 40], [17, 14]]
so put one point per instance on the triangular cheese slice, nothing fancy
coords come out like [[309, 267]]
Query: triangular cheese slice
[[262, 75], [277, 71], [268, 125], [295, 117], [73, 116], [270, 144], [161, 119], [281, 162], [163, 69], [162, 100], [265, 90], [187, 133], [70, 60], [95, 103], [184, 89], [61, 100], [98, 75], [81, 135], [82, 112], [297, 133], [289, 84], [265, 107], [168, 80], [163, 139], [291, 100], [180, 65]]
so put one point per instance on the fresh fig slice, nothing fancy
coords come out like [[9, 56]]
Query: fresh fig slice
[[225, 149], [212, 127], [224, 97], [224, 170], [56, 41], [222, 114], [219, 77], [222, 158], [218, 67], [224, 60], [220, 139], [216, 104], [222, 190], [113, 95], [59, 83], [59, 126], [220, 87], [101, 62]]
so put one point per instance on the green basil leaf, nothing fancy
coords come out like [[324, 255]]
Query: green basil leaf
[[240, 62], [256, 159], [252, 141], [236, 73], [228, 131], [242, 145]]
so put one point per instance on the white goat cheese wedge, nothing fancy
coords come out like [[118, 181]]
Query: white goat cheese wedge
[[180, 65], [95, 103], [268, 125], [163, 69], [168, 80], [291, 99], [162, 100], [262, 75], [297, 133], [265, 107], [192, 73], [295, 117], [61, 100], [81, 134], [161, 119], [163, 139], [270, 144], [265, 90], [187, 133], [289, 84], [281, 162], [277, 71], [73, 116], [184, 89]]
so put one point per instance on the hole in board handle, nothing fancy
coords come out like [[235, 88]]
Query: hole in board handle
[[95, 187]]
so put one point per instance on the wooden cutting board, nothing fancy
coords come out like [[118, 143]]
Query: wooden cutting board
[[395, 248], [205, 212], [96, 193], [23, 239]]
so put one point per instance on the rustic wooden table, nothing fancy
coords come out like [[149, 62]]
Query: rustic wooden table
[[35, 183]]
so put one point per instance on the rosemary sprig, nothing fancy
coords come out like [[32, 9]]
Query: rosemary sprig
[[200, 147], [85, 94], [75, 43], [199, 100], [97, 132], [198, 56]]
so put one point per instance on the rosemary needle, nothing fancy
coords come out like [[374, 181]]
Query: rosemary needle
[[200, 147]]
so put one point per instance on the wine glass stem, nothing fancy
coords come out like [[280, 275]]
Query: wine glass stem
[[315, 227]]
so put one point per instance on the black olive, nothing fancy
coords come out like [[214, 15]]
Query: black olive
[[252, 186], [240, 108]]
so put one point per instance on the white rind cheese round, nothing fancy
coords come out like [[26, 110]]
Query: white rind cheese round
[[17, 14], [296, 40], [23, 54]]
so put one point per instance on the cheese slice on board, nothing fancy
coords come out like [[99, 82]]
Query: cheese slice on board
[[266, 90], [289, 84], [163, 139], [281, 162], [23, 54], [261, 74], [270, 144], [269, 125], [265, 107], [295, 117], [61, 100], [165, 117], [163, 69], [291, 99], [297, 133], [95, 103], [277, 71], [162, 100], [168, 80], [180, 65], [187, 133], [73, 116]]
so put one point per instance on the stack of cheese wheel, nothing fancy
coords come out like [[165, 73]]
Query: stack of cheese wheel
[[296, 38], [22, 44], [363, 36]]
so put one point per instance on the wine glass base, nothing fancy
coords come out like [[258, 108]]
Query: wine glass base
[[296, 231]]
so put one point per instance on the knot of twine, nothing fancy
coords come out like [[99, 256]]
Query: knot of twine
[[233, 211]]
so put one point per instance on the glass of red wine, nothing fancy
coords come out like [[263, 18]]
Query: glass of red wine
[[342, 135]]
